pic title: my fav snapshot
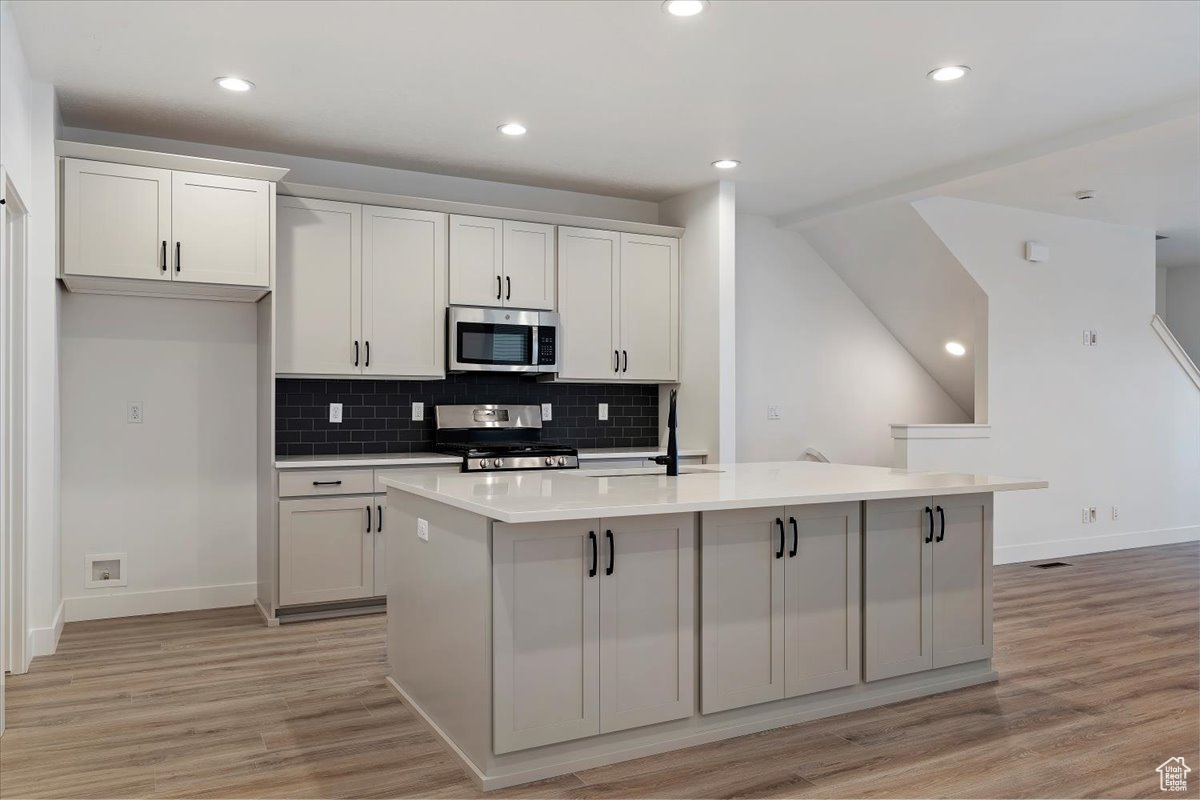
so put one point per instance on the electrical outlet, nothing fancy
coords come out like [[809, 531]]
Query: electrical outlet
[[1086, 516], [1116, 513], [774, 412], [335, 412], [547, 412], [1089, 338], [423, 529], [602, 412], [133, 412], [418, 411]]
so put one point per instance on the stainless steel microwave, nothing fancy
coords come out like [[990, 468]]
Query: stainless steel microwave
[[501, 340]]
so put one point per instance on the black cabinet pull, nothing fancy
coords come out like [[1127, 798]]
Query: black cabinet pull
[[942, 513], [795, 538], [616, 360], [177, 256], [327, 483], [595, 554], [499, 287], [164, 256], [508, 290], [612, 553], [379, 519], [625, 368], [367, 359], [368, 519], [779, 552], [356, 352], [929, 512]]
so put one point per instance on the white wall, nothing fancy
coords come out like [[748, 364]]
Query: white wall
[[707, 374], [28, 126], [807, 343], [1181, 307], [1116, 424], [177, 492]]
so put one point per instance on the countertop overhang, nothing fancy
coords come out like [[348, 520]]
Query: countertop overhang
[[551, 495]]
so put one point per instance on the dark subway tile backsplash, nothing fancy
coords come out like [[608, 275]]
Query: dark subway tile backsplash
[[377, 414]]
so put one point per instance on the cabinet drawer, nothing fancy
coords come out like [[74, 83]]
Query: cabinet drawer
[[315, 482]]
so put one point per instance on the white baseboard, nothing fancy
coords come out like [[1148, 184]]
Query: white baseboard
[[1061, 548], [44, 641], [162, 601]]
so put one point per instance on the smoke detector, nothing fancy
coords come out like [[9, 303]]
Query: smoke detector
[[1085, 194]]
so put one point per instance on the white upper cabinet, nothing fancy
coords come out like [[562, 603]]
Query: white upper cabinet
[[116, 220], [222, 229], [618, 295], [403, 292], [318, 298], [500, 263], [131, 222]]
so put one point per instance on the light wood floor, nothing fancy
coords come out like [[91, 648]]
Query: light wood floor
[[1100, 684]]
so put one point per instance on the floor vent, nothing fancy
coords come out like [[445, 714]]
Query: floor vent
[[1051, 565]]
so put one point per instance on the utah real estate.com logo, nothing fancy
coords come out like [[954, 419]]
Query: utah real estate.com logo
[[1172, 775]]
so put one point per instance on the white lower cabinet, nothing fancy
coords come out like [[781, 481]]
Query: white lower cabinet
[[592, 627], [780, 603], [927, 571], [380, 583], [326, 549]]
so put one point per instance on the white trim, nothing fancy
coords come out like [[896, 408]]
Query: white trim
[[271, 622], [1062, 548], [44, 641], [1176, 349], [950, 431], [161, 601], [149, 158], [305, 190]]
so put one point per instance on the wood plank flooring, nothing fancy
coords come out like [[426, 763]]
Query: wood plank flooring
[[1100, 684]]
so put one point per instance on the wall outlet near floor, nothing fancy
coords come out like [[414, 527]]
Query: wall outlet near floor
[[1090, 338], [133, 412], [1089, 515], [1116, 513], [547, 412], [418, 411], [335, 412], [423, 529], [774, 412], [602, 412]]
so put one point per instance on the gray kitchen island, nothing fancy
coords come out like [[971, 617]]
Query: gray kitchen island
[[546, 622]]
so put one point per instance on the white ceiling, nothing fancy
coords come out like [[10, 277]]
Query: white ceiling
[[820, 100]]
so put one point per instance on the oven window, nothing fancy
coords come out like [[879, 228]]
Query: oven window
[[487, 343]]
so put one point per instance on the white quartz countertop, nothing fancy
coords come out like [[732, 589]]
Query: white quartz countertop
[[437, 459], [585, 493]]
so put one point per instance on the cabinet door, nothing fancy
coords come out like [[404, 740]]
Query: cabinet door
[[116, 220], [649, 295], [529, 265], [222, 229], [545, 634], [476, 255], [380, 582], [822, 588], [326, 549], [647, 620], [897, 588], [962, 580], [318, 311], [742, 608], [404, 293], [589, 263]]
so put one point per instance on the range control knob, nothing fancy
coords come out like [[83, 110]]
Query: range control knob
[[499, 462], [562, 461], [549, 461], [484, 463]]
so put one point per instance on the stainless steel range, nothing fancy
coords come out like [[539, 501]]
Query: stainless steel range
[[492, 438]]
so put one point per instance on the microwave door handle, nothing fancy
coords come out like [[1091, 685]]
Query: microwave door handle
[[533, 346]]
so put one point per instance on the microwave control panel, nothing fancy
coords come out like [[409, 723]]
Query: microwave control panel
[[546, 348]]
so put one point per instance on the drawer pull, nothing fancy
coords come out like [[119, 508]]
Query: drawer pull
[[327, 483]]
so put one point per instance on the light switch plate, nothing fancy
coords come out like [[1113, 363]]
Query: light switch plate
[[133, 412], [547, 412], [602, 412], [335, 412], [423, 529], [418, 411]]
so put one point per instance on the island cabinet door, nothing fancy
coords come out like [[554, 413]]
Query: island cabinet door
[[962, 579], [545, 633], [647, 620], [326, 549], [822, 590], [897, 587], [742, 561]]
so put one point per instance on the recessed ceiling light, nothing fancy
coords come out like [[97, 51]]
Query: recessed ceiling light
[[726, 163], [684, 8], [512, 129], [235, 84], [943, 74], [955, 349]]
